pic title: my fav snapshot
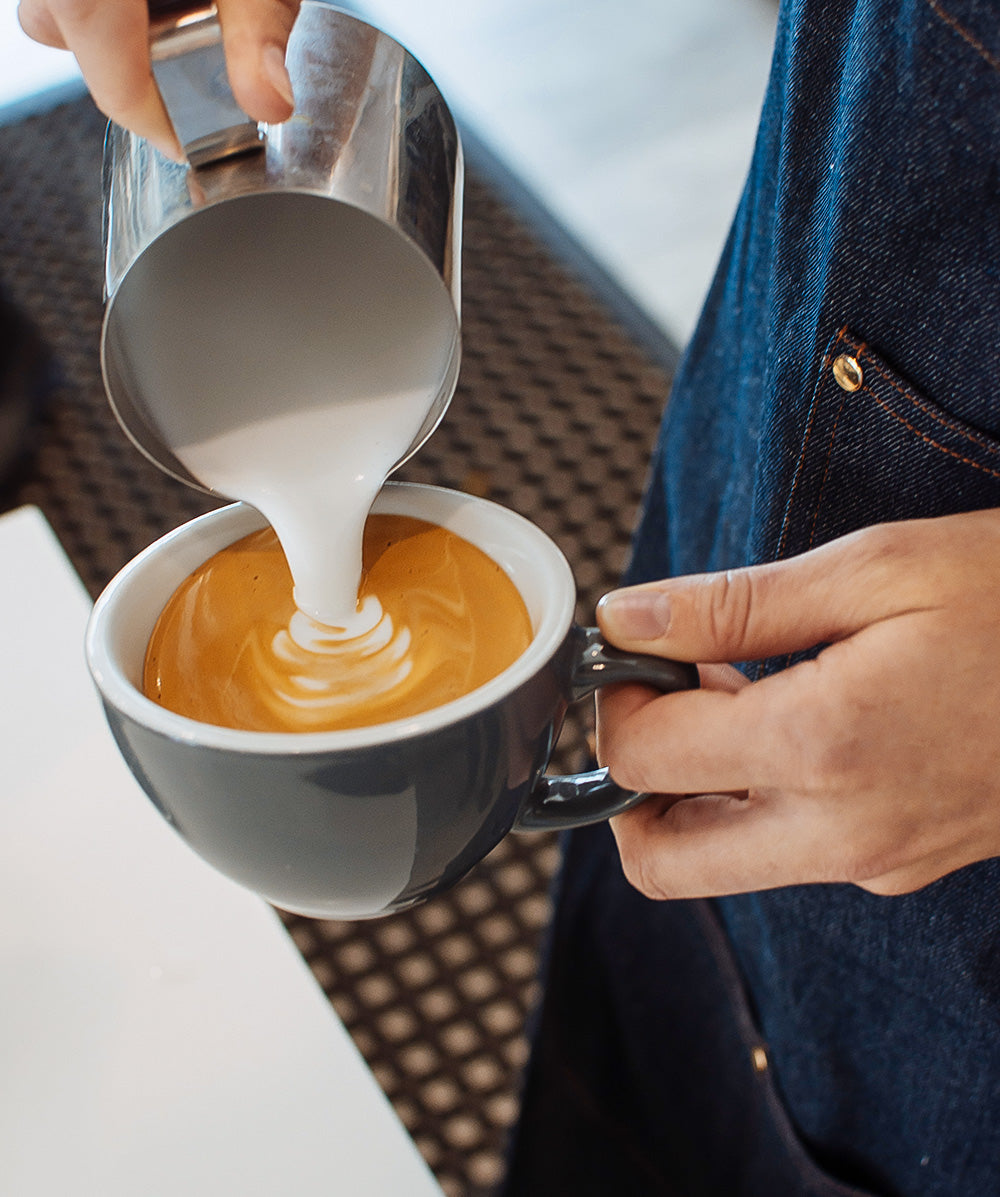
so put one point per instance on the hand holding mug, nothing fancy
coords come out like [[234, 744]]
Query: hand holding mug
[[877, 763]]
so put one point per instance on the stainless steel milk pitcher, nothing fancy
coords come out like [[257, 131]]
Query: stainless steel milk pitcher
[[284, 262]]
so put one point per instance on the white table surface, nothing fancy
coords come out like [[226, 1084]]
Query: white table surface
[[159, 1032]]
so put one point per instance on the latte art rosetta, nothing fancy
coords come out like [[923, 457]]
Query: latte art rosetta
[[436, 619], [322, 670]]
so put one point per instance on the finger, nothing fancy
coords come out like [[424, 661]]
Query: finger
[[760, 736], [723, 844], [785, 606], [35, 19], [616, 705], [697, 741], [111, 43], [722, 677], [255, 34], [714, 844]]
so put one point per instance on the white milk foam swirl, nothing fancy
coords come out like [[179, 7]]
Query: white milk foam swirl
[[316, 668]]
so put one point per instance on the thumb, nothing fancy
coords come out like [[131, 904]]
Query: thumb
[[255, 34], [764, 610]]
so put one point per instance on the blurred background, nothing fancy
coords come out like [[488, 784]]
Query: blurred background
[[632, 123]]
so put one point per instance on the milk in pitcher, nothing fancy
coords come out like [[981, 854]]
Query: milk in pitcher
[[298, 351]]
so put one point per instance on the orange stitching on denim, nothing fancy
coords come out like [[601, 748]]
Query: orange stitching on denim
[[826, 469], [982, 441], [786, 520], [964, 34], [822, 487], [929, 440]]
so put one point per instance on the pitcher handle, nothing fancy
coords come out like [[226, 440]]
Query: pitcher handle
[[189, 66]]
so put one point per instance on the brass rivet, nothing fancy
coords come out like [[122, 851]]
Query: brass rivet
[[759, 1055], [847, 373]]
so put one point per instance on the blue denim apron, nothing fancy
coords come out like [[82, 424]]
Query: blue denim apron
[[814, 1039]]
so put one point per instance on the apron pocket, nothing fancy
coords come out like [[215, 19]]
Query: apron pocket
[[876, 450]]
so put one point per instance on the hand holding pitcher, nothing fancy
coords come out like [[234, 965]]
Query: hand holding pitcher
[[111, 43]]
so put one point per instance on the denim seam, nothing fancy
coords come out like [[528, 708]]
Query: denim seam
[[964, 34], [983, 442], [859, 349], [820, 1183], [930, 440], [828, 354], [786, 519], [826, 470]]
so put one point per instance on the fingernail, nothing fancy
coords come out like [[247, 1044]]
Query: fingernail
[[635, 614], [171, 150], [273, 61]]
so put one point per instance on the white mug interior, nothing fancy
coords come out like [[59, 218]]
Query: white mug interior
[[126, 612]]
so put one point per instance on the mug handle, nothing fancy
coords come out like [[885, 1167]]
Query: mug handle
[[576, 799]]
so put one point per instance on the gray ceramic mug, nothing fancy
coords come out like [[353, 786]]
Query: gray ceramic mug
[[360, 823]]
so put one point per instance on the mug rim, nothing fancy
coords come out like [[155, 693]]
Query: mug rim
[[524, 550]]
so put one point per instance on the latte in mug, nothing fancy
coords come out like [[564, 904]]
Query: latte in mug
[[437, 618], [363, 821]]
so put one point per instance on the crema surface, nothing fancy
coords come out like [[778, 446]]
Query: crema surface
[[436, 618]]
